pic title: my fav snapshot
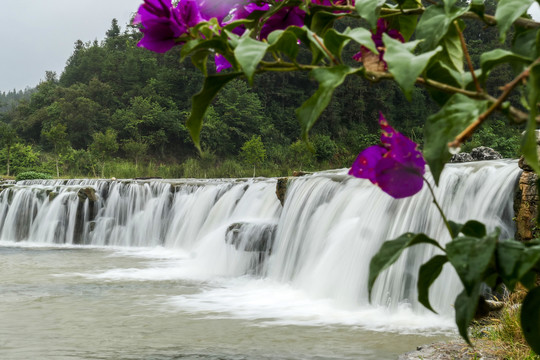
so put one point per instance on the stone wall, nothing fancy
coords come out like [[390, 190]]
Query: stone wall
[[526, 204]]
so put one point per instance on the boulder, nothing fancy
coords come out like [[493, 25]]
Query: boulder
[[526, 207], [485, 153], [87, 193], [251, 237], [281, 189], [461, 157]]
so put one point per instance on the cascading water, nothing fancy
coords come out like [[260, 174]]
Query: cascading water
[[320, 242]]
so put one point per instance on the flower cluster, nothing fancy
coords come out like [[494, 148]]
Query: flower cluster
[[163, 24], [396, 166]]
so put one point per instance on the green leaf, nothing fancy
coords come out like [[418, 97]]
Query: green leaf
[[478, 7], [442, 127], [370, 10], [465, 306], [308, 38], [403, 64], [407, 24], [335, 41], [285, 42], [515, 260], [329, 79], [507, 12], [453, 51], [435, 22], [200, 59], [474, 228], [455, 228], [192, 46], [529, 280], [363, 37], [490, 59], [528, 144], [440, 72], [530, 319], [427, 274], [249, 53], [471, 257], [390, 252], [201, 101], [527, 44], [322, 21]]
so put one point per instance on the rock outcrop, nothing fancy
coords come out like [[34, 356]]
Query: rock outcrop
[[477, 154], [485, 153], [526, 205]]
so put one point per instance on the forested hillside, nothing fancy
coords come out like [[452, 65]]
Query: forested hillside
[[119, 110]]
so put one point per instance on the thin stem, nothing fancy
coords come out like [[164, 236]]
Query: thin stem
[[330, 55], [465, 134], [439, 208], [467, 57]]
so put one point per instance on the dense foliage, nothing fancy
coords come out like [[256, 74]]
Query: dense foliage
[[145, 99]]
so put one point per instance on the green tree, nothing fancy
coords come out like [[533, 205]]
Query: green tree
[[253, 152], [58, 138], [135, 150], [104, 146], [8, 138]]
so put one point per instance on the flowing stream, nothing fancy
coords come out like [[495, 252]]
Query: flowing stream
[[219, 269]]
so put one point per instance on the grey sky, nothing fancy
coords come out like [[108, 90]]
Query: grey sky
[[39, 35]]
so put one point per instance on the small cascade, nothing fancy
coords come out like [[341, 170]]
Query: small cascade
[[332, 224], [320, 241]]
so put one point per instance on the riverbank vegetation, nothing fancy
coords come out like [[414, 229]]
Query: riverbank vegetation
[[119, 110]]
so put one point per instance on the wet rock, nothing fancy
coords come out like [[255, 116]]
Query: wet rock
[[485, 153], [281, 189], [461, 157], [526, 207], [301, 173], [52, 195], [251, 237], [487, 308], [87, 193]]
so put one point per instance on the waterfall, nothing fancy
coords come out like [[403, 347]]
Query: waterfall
[[320, 241]]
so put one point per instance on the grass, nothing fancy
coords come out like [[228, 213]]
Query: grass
[[502, 336]]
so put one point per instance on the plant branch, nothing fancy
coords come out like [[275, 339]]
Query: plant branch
[[439, 208], [467, 57], [328, 53], [517, 115], [465, 134], [488, 19]]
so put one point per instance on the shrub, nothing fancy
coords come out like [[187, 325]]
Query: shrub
[[32, 175]]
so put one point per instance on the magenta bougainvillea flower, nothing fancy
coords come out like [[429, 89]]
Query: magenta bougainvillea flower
[[242, 12], [221, 62], [396, 166], [333, 2], [162, 23], [285, 17], [217, 8], [370, 60]]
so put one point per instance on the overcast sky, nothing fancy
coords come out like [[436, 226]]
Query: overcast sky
[[39, 35]]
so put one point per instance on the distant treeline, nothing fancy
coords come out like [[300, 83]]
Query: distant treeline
[[119, 110]]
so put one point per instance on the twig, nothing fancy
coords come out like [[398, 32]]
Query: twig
[[330, 55], [517, 115], [446, 222], [488, 19], [467, 57], [465, 134]]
